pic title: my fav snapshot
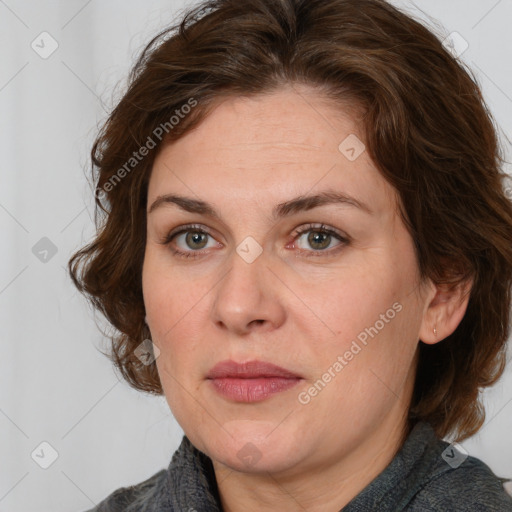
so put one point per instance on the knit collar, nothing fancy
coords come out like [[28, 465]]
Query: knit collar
[[191, 483]]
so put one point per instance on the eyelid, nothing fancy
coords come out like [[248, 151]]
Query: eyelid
[[183, 229], [312, 226]]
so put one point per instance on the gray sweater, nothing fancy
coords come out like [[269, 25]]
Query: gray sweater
[[425, 475]]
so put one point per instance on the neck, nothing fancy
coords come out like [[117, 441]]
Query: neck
[[321, 488]]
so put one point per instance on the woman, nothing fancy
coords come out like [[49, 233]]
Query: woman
[[306, 246]]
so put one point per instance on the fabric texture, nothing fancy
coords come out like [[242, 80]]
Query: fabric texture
[[427, 474]]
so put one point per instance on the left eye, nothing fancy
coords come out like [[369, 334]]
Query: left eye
[[319, 238]]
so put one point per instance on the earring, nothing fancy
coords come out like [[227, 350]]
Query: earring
[[435, 331]]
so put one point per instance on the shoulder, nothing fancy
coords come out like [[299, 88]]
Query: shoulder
[[143, 496], [187, 484], [471, 487]]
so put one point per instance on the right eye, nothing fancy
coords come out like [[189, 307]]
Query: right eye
[[191, 237]]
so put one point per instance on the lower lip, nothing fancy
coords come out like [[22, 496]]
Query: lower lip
[[252, 390]]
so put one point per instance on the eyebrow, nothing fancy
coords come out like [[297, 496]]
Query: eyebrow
[[285, 209]]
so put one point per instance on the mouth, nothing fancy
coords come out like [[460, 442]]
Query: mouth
[[252, 381]]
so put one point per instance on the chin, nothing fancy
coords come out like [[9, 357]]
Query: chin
[[251, 446]]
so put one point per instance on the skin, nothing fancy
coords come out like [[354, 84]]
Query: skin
[[295, 311]]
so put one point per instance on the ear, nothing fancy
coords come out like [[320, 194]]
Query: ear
[[444, 310]]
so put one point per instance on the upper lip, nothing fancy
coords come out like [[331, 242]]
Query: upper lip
[[249, 370]]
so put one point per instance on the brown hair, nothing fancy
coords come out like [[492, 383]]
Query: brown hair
[[426, 127]]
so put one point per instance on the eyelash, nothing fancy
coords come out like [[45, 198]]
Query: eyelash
[[195, 228]]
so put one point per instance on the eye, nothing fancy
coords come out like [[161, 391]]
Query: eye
[[190, 241], [320, 239], [194, 239]]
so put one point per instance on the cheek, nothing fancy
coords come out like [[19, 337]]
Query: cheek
[[168, 295], [356, 299], [373, 316], [364, 370], [177, 313]]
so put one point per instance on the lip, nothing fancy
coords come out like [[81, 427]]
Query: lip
[[249, 370], [252, 381]]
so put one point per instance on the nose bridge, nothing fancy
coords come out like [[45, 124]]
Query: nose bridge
[[245, 295]]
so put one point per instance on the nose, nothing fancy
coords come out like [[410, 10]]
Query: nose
[[249, 297]]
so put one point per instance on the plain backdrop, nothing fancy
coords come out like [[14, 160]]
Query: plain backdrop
[[56, 386]]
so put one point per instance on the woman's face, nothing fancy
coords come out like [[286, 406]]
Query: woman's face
[[339, 307]]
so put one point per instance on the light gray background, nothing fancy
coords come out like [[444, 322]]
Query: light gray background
[[55, 385]]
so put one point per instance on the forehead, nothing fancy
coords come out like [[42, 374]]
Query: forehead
[[293, 117], [294, 139]]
